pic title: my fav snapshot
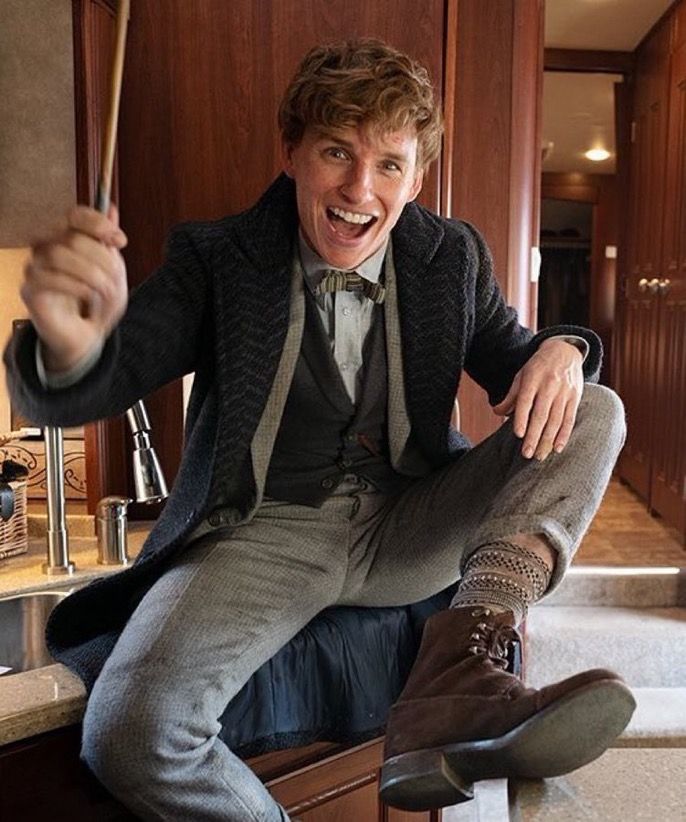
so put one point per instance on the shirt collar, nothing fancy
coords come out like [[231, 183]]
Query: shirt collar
[[314, 266]]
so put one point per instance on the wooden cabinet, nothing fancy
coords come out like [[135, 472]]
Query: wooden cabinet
[[652, 298], [341, 788], [638, 306], [668, 475], [42, 780]]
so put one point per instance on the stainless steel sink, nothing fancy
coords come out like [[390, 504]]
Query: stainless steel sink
[[22, 630]]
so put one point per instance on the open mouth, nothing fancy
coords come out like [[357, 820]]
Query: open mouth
[[350, 224]]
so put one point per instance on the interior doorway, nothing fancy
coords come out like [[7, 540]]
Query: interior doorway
[[564, 286]]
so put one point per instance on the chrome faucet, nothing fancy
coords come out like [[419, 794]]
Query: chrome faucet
[[58, 539], [147, 471], [148, 480]]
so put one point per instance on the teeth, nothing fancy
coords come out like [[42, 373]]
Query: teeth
[[351, 217]]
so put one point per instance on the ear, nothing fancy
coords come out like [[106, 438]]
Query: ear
[[416, 185], [287, 158]]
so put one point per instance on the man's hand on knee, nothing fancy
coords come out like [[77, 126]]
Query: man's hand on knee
[[544, 398]]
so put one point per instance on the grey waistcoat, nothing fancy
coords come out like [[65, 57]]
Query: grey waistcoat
[[323, 435]]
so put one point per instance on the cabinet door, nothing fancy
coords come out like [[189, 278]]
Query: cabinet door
[[341, 788], [638, 307], [668, 488]]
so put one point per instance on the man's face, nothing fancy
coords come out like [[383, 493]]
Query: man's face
[[351, 185]]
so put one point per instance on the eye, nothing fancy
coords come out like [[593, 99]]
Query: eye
[[337, 153], [391, 165]]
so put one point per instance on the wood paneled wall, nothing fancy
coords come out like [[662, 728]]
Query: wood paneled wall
[[495, 156], [206, 79]]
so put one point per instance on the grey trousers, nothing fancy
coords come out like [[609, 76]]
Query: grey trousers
[[232, 599]]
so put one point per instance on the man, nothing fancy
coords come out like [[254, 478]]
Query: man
[[327, 327]]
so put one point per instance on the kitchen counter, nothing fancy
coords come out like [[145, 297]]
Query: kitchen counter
[[23, 573], [43, 699]]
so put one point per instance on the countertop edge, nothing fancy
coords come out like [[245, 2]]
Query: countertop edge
[[40, 700]]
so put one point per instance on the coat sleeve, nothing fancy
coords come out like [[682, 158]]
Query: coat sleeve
[[500, 345], [158, 340]]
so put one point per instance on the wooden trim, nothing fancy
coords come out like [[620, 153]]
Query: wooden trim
[[276, 764], [538, 165], [570, 185], [527, 18], [328, 794], [623, 99], [449, 93], [605, 62]]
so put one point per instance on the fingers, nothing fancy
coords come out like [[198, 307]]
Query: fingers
[[40, 280], [100, 227], [80, 257], [75, 286], [82, 260], [549, 424], [567, 426], [549, 432], [113, 214], [533, 417], [544, 398]]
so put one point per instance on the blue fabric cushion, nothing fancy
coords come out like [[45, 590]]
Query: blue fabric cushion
[[334, 681]]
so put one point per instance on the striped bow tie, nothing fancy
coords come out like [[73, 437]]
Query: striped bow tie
[[334, 280]]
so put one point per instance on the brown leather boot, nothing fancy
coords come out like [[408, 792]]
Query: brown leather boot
[[462, 717]]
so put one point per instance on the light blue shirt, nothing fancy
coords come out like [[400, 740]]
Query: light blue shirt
[[346, 315]]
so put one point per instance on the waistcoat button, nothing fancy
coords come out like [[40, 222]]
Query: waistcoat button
[[214, 519], [327, 483]]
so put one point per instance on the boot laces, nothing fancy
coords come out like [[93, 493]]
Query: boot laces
[[492, 641]]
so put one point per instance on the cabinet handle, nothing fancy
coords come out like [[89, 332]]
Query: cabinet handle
[[649, 285]]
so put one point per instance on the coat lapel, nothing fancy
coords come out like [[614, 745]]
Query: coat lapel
[[253, 304], [431, 328], [398, 421], [267, 429]]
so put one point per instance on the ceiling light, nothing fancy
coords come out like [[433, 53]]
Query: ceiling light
[[597, 154]]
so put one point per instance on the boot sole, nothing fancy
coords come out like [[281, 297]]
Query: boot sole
[[567, 734]]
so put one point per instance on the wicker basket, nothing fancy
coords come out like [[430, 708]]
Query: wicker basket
[[14, 531]]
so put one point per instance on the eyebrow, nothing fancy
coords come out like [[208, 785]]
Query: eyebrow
[[324, 135]]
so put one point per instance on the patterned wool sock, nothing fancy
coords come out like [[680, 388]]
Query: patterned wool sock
[[503, 576]]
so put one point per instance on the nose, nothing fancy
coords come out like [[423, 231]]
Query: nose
[[358, 183]]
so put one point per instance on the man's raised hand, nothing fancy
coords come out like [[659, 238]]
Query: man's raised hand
[[75, 286]]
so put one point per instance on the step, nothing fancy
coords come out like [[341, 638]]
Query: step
[[646, 646], [659, 720], [623, 785], [633, 587]]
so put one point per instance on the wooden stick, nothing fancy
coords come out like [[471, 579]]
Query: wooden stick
[[110, 137]]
